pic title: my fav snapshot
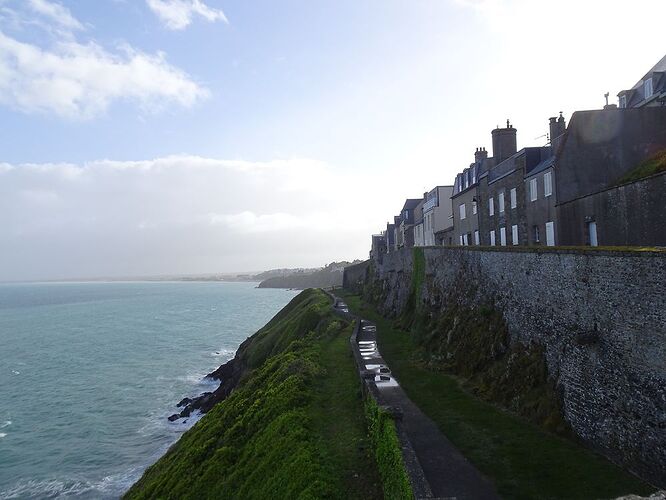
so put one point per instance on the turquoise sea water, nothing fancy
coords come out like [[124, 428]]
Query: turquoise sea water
[[89, 373]]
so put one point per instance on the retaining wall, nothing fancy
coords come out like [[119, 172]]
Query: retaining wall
[[599, 315]]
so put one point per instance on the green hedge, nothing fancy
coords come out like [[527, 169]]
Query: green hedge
[[388, 454]]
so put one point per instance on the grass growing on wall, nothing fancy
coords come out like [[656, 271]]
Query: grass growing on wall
[[418, 277], [654, 165], [294, 428], [388, 454], [522, 459]]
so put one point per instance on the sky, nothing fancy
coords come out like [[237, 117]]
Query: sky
[[163, 137]]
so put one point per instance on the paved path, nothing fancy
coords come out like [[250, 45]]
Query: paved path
[[448, 473]]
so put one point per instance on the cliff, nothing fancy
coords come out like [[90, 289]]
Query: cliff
[[287, 421], [572, 339], [326, 277]]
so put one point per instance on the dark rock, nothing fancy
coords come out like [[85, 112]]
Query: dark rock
[[183, 402], [174, 417]]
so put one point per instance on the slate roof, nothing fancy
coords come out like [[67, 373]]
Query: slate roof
[[635, 96]]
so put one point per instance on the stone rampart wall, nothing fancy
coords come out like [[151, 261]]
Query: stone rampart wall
[[599, 315]]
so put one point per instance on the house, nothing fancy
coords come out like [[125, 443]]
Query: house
[[506, 197], [610, 189], [390, 237], [418, 224], [405, 227], [378, 248], [464, 201], [437, 213], [648, 91]]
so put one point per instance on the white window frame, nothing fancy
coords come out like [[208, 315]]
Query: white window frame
[[623, 101], [461, 240], [514, 234], [476, 238], [503, 236], [514, 198], [550, 234], [536, 234], [473, 208], [463, 212], [534, 189], [648, 88], [491, 206], [547, 184], [492, 238], [500, 201]]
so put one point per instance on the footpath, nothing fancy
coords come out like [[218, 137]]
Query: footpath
[[435, 467]]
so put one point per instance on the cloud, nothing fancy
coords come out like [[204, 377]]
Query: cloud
[[178, 14], [80, 80], [180, 214], [55, 12]]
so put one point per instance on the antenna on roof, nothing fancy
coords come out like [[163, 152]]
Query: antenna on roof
[[606, 96]]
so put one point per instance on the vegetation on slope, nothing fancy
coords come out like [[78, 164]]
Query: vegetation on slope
[[294, 428], [523, 459], [653, 165]]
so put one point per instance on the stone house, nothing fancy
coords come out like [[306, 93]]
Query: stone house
[[504, 192]]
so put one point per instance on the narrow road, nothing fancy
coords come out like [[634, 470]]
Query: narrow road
[[448, 473]]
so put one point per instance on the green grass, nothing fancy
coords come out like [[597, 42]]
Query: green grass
[[654, 165], [294, 428], [523, 460]]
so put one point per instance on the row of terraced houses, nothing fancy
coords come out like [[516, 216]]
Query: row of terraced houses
[[600, 180]]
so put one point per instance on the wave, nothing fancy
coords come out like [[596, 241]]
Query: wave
[[2, 434], [107, 487], [7, 423]]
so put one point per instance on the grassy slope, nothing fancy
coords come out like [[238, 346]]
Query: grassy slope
[[522, 459], [651, 166], [294, 428]]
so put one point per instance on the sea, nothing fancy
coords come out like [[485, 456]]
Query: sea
[[89, 373]]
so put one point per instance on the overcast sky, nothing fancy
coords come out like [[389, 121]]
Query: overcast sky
[[145, 137]]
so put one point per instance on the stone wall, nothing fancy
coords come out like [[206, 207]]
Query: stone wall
[[600, 317], [356, 275]]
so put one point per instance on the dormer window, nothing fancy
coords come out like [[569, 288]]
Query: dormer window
[[623, 101], [647, 87]]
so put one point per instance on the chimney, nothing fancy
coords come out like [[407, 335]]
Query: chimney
[[557, 128], [480, 154], [504, 143]]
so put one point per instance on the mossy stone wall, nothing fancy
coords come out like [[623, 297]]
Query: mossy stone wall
[[594, 321]]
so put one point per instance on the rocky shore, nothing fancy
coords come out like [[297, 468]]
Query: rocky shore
[[228, 374]]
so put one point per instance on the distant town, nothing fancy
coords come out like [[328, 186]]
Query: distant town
[[599, 181]]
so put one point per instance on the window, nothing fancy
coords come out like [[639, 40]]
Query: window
[[535, 232], [547, 184], [492, 238], [500, 199], [550, 234], [491, 206], [533, 189], [461, 240], [514, 234], [476, 238], [465, 239], [647, 86], [623, 101], [462, 212], [514, 200], [474, 207], [503, 236]]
